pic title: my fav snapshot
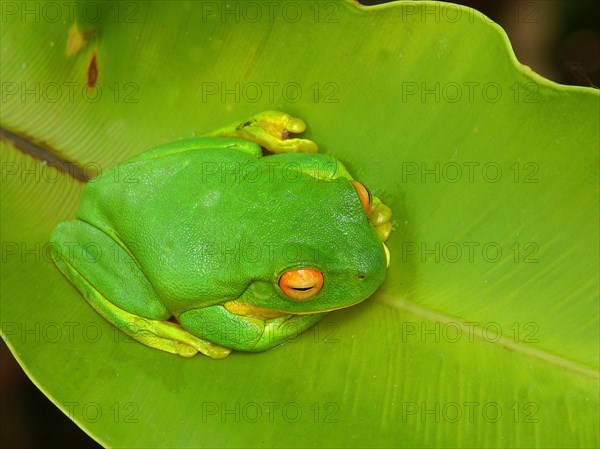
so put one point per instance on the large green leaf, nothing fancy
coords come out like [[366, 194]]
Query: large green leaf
[[485, 333]]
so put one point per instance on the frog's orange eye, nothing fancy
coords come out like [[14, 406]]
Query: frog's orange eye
[[301, 284], [365, 196]]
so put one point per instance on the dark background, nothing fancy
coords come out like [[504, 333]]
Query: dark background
[[556, 38]]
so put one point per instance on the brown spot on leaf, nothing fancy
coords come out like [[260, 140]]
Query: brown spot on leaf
[[92, 72]]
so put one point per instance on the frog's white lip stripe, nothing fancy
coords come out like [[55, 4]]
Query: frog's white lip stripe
[[387, 255]]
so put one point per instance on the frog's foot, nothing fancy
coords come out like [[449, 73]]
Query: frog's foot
[[171, 337], [380, 217], [163, 335], [271, 130]]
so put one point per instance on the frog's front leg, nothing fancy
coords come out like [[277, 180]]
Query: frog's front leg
[[113, 284], [271, 130], [216, 323]]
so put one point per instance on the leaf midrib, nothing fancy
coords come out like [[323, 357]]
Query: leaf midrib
[[44, 153], [477, 331]]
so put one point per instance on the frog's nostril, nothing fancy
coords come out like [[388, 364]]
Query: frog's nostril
[[361, 276], [301, 284]]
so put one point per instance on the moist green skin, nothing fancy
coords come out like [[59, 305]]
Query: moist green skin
[[198, 223]]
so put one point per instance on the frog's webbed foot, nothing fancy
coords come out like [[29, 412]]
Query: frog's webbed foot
[[172, 338], [159, 334], [271, 130], [380, 217]]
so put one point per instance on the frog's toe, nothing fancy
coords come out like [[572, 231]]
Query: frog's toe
[[293, 146], [384, 230], [272, 129], [280, 121], [217, 352], [184, 350], [380, 217], [193, 346]]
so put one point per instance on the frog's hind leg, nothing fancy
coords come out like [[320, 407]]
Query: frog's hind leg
[[271, 130], [113, 284]]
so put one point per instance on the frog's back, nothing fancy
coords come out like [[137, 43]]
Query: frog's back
[[200, 222]]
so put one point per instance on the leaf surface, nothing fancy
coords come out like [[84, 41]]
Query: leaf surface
[[485, 333]]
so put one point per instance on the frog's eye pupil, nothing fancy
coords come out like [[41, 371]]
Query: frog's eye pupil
[[301, 284], [365, 196]]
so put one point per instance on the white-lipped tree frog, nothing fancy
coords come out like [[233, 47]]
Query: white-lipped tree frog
[[216, 246]]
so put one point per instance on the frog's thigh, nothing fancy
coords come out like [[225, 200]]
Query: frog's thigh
[[83, 252], [217, 324], [117, 289]]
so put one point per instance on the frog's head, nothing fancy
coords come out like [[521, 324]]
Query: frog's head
[[343, 279], [332, 250]]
